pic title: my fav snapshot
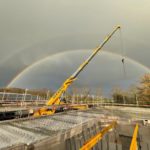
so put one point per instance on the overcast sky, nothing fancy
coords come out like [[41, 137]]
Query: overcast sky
[[34, 29]]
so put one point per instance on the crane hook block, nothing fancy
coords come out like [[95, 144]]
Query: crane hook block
[[122, 60]]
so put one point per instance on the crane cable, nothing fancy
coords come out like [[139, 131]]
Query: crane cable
[[123, 60], [123, 55]]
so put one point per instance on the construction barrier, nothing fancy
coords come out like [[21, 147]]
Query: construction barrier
[[94, 140]]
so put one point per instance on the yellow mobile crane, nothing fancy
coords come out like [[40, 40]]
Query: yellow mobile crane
[[56, 98]]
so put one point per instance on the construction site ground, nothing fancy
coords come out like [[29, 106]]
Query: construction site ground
[[69, 130]]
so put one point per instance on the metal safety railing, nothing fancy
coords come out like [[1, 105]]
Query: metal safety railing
[[7, 96], [134, 144], [94, 140]]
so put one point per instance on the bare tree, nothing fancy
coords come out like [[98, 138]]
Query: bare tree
[[144, 90]]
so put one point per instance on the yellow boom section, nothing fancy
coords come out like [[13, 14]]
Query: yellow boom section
[[134, 145], [94, 140], [55, 99]]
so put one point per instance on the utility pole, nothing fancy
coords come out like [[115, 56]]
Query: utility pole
[[47, 94], [136, 99], [3, 96], [25, 95]]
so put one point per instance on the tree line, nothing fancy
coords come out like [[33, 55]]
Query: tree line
[[139, 94]]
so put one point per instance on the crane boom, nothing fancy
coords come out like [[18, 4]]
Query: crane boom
[[55, 99], [94, 53]]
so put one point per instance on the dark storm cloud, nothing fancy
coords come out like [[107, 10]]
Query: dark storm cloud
[[32, 29]]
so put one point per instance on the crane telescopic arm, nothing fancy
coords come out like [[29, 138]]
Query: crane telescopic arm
[[55, 99]]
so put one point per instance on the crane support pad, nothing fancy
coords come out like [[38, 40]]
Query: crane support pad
[[94, 140]]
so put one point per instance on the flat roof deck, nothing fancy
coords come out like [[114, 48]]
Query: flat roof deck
[[34, 129]]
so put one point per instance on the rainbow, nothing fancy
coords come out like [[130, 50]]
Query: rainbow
[[28, 68]]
